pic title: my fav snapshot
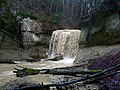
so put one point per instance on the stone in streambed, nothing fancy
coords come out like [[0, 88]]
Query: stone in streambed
[[55, 58]]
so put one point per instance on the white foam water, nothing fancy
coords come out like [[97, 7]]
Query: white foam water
[[64, 42], [66, 60]]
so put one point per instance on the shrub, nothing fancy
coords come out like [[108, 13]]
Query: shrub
[[51, 22], [3, 1], [25, 14]]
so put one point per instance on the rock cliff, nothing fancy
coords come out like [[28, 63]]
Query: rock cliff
[[100, 37], [33, 38], [29, 30]]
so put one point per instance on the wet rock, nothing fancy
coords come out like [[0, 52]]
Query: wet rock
[[7, 61], [31, 25], [56, 58], [103, 30], [77, 86], [87, 53], [19, 83], [13, 54], [32, 60], [39, 54], [29, 30]]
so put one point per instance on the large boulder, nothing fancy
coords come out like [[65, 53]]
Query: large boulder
[[31, 25], [102, 30], [87, 53], [33, 38], [19, 84], [13, 54], [30, 29]]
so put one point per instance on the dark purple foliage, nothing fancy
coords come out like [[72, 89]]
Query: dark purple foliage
[[112, 82], [104, 62]]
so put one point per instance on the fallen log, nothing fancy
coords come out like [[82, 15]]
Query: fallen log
[[25, 71], [73, 81], [71, 68], [88, 77], [16, 69], [72, 73], [7, 61], [34, 69], [57, 71], [99, 78]]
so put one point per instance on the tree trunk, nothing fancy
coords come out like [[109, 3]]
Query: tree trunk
[[72, 10], [63, 2], [52, 2]]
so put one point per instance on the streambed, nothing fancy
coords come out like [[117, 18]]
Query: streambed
[[6, 70]]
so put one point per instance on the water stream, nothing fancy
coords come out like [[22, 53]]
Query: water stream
[[63, 42], [6, 70]]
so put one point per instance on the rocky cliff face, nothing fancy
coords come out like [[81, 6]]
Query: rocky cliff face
[[33, 38], [109, 33], [100, 36], [29, 30], [104, 29]]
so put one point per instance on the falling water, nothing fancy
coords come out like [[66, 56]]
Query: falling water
[[64, 42]]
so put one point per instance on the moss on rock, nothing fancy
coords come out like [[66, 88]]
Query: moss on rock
[[26, 71], [104, 38]]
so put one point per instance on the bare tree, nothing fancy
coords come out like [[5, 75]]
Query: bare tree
[[52, 2], [72, 10]]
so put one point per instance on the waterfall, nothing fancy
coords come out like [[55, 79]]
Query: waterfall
[[64, 42]]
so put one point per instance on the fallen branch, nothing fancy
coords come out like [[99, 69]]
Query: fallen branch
[[7, 61], [99, 78], [74, 81], [25, 71], [63, 68], [73, 73]]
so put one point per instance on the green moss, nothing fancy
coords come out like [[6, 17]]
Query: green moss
[[25, 14], [102, 37], [98, 38], [26, 71], [95, 71], [31, 71]]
